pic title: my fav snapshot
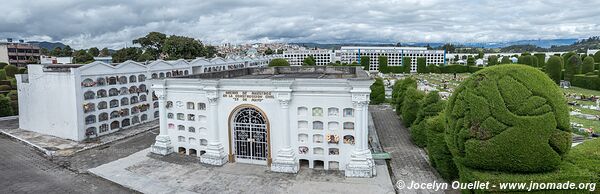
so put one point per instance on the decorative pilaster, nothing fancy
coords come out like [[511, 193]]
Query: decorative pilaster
[[361, 161], [162, 145], [215, 152], [286, 157]]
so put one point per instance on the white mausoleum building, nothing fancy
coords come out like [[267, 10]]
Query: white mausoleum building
[[350, 54], [321, 56], [80, 101], [280, 117]]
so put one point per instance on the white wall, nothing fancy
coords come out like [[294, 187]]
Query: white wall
[[47, 104]]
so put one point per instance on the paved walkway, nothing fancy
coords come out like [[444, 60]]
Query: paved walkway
[[409, 162], [23, 170], [184, 174]]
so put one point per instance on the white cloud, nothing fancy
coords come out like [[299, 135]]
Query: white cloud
[[114, 23]]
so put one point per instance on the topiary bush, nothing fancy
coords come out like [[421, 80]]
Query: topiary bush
[[508, 118], [5, 88], [5, 107], [400, 91], [22, 70], [422, 65], [3, 74], [588, 65], [3, 64], [554, 68], [437, 149], [433, 68], [431, 105], [278, 62], [572, 67], [410, 105], [377, 92]]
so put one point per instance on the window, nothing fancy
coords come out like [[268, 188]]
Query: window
[[135, 119], [124, 112], [88, 83], [317, 138], [302, 150], [124, 101], [114, 103], [143, 98], [114, 125], [89, 107], [334, 151], [101, 93], [317, 112], [154, 76], [112, 81], [102, 105], [134, 100], [181, 139], [191, 141], [190, 105], [135, 110], [122, 80], [156, 114], [302, 138], [203, 142], [132, 79], [100, 81], [90, 119], [142, 88], [89, 95], [302, 111], [302, 124], [333, 125], [114, 114], [318, 151], [348, 126], [191, 117], [348, 112], [201, 106], [332, 112], [169, 104], [170, 115], [103, 128], [171, 126], [113, 92], [180, 127], [144, 117], [333, 139], [133, 90], [180, 116], [141, 78], [317, 125], [161, 75], [349, 139], [155, 105], [123, 91], [103, 116], [191, 130]]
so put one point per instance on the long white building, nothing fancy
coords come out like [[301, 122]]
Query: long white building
[[321, 56], [77, 102], [280, 117], [350, 54]]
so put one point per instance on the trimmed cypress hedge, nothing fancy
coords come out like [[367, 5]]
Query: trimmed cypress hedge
[[421, 65], [588, 65], [437, 149], [410, 105], [554, 69], [454, 69], [377, 92], [430, 105], [399, 91], [572, 67], [588, 82], [508, 118]]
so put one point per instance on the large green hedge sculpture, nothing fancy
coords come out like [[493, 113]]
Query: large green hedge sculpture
[[411, 105], [508, 118], [437, 149], [430, 105]]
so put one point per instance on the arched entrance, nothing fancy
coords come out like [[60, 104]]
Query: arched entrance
[[249, 135]]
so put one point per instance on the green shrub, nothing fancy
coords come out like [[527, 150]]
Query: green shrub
[[406, 63], [586, 156], [437, 149], [377, 92], [587, 82], [383, 64], [454, 69], [588, 65], [11, 70], [3, 64], [508, 118], [12, 95], [433, 68], [473, 69], [410, 105], [505, 60], [492, 60], [5, 88], [278, 62], [541, 59], [22, 70], [399, 91], [3, 74], [554, 69], [422, 65], [431, 105], [365, 62], [566, 172], [572, 67], [470, 61], [5, 107]]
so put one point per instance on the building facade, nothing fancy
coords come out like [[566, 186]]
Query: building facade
[[280, 117], [351, 54], [78, 102], [19, 53], [321, 56]]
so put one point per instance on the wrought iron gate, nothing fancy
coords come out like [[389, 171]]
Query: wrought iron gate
[[250, 136]]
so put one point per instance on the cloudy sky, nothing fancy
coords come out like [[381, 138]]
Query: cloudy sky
[[114, 23]]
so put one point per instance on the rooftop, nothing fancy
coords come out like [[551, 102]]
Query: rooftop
[[293, 72]]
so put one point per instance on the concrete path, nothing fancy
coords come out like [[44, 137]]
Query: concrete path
[[409, 163], [184, 174]]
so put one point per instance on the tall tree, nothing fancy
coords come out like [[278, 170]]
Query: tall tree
[[94, 51], [492, 60], [178, 47], [124, 54], [309, 61], [67, 51], [104, 52], [57, 52], [152, 43], [82, 57]]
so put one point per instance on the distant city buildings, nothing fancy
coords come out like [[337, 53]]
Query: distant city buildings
[[321, 56], [68, 60], [19, 53]]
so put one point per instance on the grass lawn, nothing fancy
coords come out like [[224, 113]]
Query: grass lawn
[[587, 123], [577, 90]]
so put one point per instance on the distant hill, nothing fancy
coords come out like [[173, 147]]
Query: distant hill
[[48, 45]]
